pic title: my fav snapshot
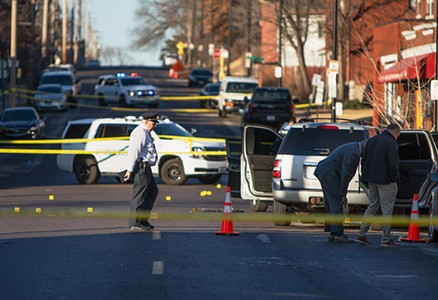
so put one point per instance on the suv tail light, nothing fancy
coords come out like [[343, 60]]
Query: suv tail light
[[291, 108], [251, 107], [276, 171]]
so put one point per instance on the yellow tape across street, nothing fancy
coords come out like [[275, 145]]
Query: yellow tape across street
[[216, 214]]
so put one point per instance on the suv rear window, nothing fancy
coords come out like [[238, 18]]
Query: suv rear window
[[317, 141], [271, 96], [76, 131]]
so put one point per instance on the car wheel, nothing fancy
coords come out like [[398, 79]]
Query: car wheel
[[86, 170], [281, 215], [122, 101], [257, 205], [210, 179], [101, 100], [172, 172]]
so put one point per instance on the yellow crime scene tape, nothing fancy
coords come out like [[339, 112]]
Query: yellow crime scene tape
[[212, 215], [189, 140], [28, 94]]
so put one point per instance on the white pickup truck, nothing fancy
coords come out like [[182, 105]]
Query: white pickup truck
[[125, 90]]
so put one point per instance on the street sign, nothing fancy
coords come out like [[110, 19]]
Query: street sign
[[180, 47], [216, 53], [316, 79], [224, 53], [319, 93], [434, 89], [278, 72], [334, 66]]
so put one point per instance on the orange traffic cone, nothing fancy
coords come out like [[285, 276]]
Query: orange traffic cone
[[227, 222], [414, 228]]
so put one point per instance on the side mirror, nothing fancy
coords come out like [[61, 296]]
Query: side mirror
[[433, 177], [246, 100], [193, 131]]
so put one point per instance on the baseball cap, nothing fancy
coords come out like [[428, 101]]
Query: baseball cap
[[154, 118]]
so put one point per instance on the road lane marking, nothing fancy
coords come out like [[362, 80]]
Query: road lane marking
[[158, 268], [156, 235]]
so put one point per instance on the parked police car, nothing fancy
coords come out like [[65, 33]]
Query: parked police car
[[175, 147], [125, 90], [278, 170]]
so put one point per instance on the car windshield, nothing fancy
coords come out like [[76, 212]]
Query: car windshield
[[171, 129], [133, 81], [18, 115], [50, 89], [59, 79], [241, 87]]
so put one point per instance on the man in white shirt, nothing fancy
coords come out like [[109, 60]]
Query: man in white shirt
[[141, 156]]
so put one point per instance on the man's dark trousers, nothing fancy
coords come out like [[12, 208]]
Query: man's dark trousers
[[144, 194]]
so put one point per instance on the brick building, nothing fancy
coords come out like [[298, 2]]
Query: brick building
[[405, 55]]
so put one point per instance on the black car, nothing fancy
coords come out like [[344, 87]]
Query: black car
[[269, 105], [200, 77], [210, 89], [21, 123]]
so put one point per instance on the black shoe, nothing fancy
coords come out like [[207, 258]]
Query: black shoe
[[149, 225], [331, 237], [342, 239]]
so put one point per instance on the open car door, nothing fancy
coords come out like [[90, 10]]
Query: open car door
[[260, 145], [234, 150]]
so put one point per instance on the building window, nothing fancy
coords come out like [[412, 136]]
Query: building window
[[412, 3], [430, 8], [419, 7]]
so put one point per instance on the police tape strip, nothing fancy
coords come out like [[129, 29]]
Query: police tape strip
[[73, 141], [216, 214], [163, 98], [85, 152]]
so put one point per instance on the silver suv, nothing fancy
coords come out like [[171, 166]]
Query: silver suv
[[279, 170]]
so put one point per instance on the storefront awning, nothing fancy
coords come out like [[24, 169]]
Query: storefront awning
[[422, 67]]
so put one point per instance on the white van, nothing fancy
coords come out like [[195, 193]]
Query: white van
[[232, 93]]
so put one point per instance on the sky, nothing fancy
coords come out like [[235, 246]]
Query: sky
[[114, 20]]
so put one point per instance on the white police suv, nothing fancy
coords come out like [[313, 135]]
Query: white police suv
[[125, 90], [106, 151]]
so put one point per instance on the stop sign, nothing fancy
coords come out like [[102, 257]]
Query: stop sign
[[216, 53]]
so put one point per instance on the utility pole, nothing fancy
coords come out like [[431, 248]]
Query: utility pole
[[212, 32], [13, 54], [44, 33], [249, 37], [335, 52], [280, 38], [229, 38], [64, 31]]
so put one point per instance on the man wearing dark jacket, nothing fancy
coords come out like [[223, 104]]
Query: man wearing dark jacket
[[380, 171], [335, 173]]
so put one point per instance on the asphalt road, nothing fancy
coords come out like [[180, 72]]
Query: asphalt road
[[62, 240]]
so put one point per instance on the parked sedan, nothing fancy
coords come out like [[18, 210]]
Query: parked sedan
[[200, 77], [210, 89], [21, 123], [50, 97]]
